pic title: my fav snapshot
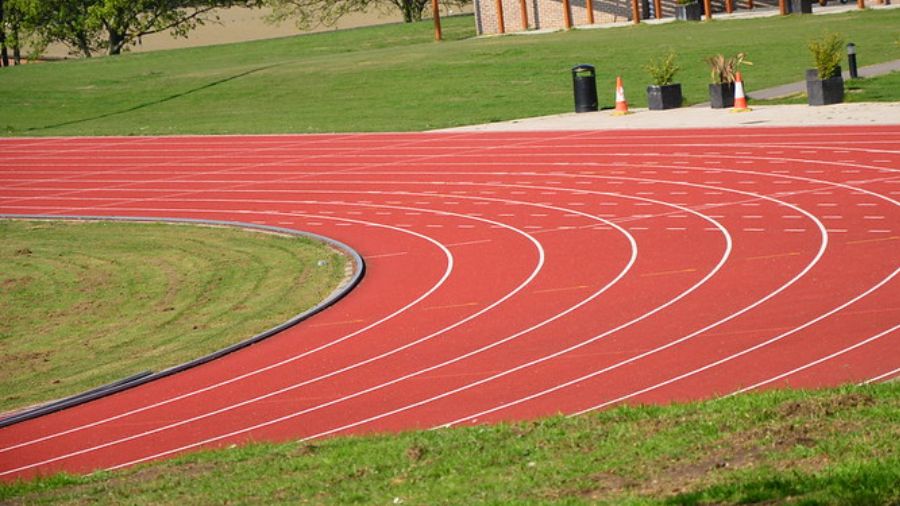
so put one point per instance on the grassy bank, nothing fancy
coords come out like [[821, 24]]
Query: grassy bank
[[83, 304], [826, 447], [394, 78]]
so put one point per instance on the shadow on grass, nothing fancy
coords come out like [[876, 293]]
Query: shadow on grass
[[154, 102], [866, 482]]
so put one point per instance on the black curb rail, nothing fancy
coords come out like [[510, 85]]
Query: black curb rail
[[359, 268]]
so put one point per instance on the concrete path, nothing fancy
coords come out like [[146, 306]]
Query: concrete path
[[868, 113], [800, 86]]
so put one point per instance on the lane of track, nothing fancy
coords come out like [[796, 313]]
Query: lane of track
[[290, 180]]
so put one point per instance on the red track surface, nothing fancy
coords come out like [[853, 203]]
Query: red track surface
[[509, 275]]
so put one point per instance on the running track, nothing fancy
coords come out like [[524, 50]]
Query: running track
[[509, 275]]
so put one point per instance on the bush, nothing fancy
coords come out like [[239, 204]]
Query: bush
[[723, 70], [827, 53], [662, 70]]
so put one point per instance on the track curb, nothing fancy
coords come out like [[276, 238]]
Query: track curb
[[141, 378]]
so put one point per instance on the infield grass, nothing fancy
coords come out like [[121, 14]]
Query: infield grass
[[395, 78], [831, 447], [84, 304]]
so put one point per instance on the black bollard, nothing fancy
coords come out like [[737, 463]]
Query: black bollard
[[851, 60]]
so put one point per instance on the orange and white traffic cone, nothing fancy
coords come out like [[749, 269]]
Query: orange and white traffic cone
[[740, 99], [621, 103]]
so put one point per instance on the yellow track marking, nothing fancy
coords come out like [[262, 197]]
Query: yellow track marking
[[777, 255], [451, 306], [666, 273], [864, 241], [566, 289], [345, 322]]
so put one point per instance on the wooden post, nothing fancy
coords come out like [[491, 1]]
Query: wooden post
[[589, 5], [782, 7], [707, 6], [750, 4], [501, 26], [861, 4], [636, 12], [567, 14], [436, 15], [523, 9], [657, 7], [729, 6]]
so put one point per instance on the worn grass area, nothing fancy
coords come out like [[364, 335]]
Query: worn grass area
[[394, 78], [825, 447], [83, 304], [884, 88]]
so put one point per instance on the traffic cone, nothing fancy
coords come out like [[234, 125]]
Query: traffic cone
[[621, 103], [740, 100]]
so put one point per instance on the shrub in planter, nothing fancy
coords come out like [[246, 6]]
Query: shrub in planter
[[722, 72], [824, 84], [663, 93], [688, 10]]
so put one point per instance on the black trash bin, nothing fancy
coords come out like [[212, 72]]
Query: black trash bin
[[584, 81]]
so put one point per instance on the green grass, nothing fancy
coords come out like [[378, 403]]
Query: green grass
[[83, 304], [394, 78], [831, 447], [884, 88]]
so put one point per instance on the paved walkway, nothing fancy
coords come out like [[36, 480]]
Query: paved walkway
[[800, 86]]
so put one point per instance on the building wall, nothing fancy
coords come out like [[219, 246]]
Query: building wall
[[548, 14]]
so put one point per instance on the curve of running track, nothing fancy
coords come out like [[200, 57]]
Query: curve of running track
[[509, 275]]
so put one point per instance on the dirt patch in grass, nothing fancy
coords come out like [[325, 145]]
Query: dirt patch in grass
[[789, 440]]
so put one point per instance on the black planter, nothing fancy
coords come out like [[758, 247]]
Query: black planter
[[721, 95], [664, 97], [813, 74], [824, 91], [689, 12], [800, 6]]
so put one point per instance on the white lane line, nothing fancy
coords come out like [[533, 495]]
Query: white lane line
[[884, 376], [333, 373], [775, 339], [447, 271], [822, 247], [740, 353], [818, 361], [559, 315], [556, 354]]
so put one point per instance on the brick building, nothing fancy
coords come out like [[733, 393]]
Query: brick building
[[549, 14]]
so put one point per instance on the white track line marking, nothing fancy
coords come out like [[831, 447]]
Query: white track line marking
[[742, 352], [527, 281], [449, 268], [817, 362], [880, 377], [454, 360]]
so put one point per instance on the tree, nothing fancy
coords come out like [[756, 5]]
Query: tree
[[4, 54], [309, 13], [87, 26]]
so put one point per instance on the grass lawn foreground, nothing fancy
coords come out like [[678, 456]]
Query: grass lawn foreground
[[829, 447], [395, 78], [84, 304]]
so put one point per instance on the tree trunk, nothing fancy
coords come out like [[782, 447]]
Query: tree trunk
[[17, 48], [407, 10], [4, 56], [116, 42], [84, 46]]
